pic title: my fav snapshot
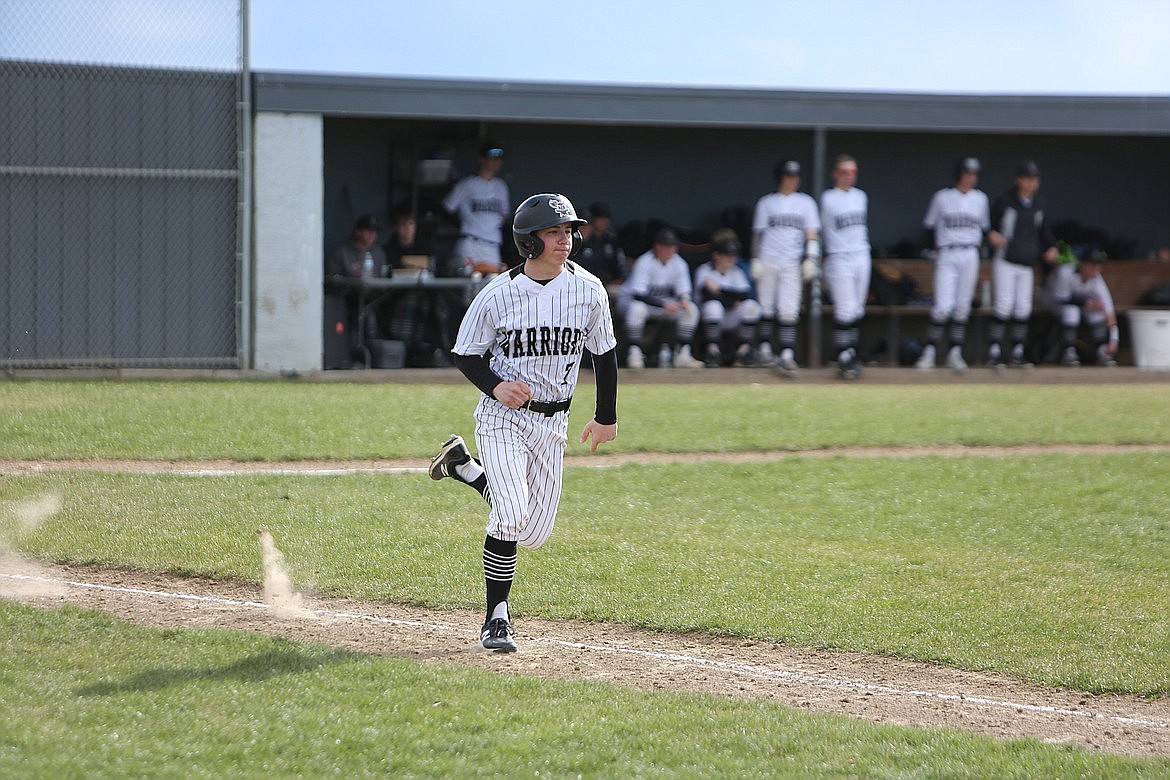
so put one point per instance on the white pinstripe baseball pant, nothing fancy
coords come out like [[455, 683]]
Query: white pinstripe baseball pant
[[523, 456]]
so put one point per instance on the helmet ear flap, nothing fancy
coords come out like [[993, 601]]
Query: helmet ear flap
[[529, 245], [578, 240]]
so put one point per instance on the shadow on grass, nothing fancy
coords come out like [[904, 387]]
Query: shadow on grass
[[255, 668]]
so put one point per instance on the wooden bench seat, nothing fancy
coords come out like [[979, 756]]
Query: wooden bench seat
[[887, 325]]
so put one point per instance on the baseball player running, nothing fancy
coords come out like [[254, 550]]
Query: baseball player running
[[1021, 238], [959, 217], [785, 229], [520, 343], [847, 265]]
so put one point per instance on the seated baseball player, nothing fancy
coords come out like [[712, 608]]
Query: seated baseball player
[[1077, 294], [727, 309], [659, 288]]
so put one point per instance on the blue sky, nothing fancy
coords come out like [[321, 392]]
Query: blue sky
[[996, 46]]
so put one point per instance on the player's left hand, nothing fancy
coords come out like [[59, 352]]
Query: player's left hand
[[600, 433]]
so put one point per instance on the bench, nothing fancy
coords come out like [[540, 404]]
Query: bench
[[1128, 280]]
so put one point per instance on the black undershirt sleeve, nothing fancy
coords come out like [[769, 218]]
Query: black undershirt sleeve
[[477, 368], [605, 374]]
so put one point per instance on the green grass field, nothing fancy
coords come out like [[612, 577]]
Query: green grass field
[[1050, 568]]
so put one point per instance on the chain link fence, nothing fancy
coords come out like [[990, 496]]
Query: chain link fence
[[122, 184]]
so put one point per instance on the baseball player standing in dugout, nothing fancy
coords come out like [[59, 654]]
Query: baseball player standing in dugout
[[959, 216], [785, 228], [480, 201], [847, 265], [520, 343], [1022, 239]]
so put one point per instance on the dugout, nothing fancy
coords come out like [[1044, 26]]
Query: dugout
[[699, 158]]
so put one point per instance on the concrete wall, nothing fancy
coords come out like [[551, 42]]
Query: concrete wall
[[289, 226]]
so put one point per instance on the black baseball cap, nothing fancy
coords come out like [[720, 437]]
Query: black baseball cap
[[967, 165], [666, 236], [787, 168], [491, 150], [599, 209], [366, 222], [725, 247], [1028, 168]]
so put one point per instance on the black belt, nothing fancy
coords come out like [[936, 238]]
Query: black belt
[[481, 240], [960, 246], [547, 409]]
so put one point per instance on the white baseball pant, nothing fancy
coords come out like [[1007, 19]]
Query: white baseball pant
[[955, 274], [523, 456], [779, 289], [847, 277], [1012, 288]]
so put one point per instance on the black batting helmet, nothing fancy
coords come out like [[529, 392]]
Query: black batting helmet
[[539, 212], [967, 165]]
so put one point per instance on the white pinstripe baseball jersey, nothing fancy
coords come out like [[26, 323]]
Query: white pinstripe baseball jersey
[[844, 216], [958, 219], [536, 331], [783, 222], [482, 206]]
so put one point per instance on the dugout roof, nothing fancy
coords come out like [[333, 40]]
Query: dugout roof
[[600, 104]]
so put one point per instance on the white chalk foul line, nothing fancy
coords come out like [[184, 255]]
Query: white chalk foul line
[[747, 669], [284, 472]]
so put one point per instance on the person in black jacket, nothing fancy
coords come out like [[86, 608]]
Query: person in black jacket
[[1021, 239]]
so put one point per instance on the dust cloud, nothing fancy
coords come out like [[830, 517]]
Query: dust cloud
[[24, 578], [278, 591]]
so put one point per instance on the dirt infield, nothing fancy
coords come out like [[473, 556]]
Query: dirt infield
[[873, 688]]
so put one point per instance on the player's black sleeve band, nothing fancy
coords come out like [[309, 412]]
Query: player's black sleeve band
[[478, 370], [651, 300], [605, 374], [731, 297]]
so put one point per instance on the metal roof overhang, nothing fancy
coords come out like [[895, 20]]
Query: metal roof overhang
[[599, 104]]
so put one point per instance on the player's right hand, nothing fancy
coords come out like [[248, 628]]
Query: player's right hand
[[513, 394]]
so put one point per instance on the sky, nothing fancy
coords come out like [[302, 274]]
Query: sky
[[1083, 47]]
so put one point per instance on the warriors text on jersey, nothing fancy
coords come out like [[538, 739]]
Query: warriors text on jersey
[[482, 206], [653, 282], [536, 331], [784, 221], [844, 217], [958, 219]]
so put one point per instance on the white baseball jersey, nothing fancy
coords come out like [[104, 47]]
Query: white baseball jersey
[[1064, 284], [958, 219], [844, 221], [784, 222], [536, 331], [482, 206], [650, 277], [733, 280]]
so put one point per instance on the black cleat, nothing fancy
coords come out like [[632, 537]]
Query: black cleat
[[453, 453], [497, 636]]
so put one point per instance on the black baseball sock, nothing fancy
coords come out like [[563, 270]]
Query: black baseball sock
[[499, 567]]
